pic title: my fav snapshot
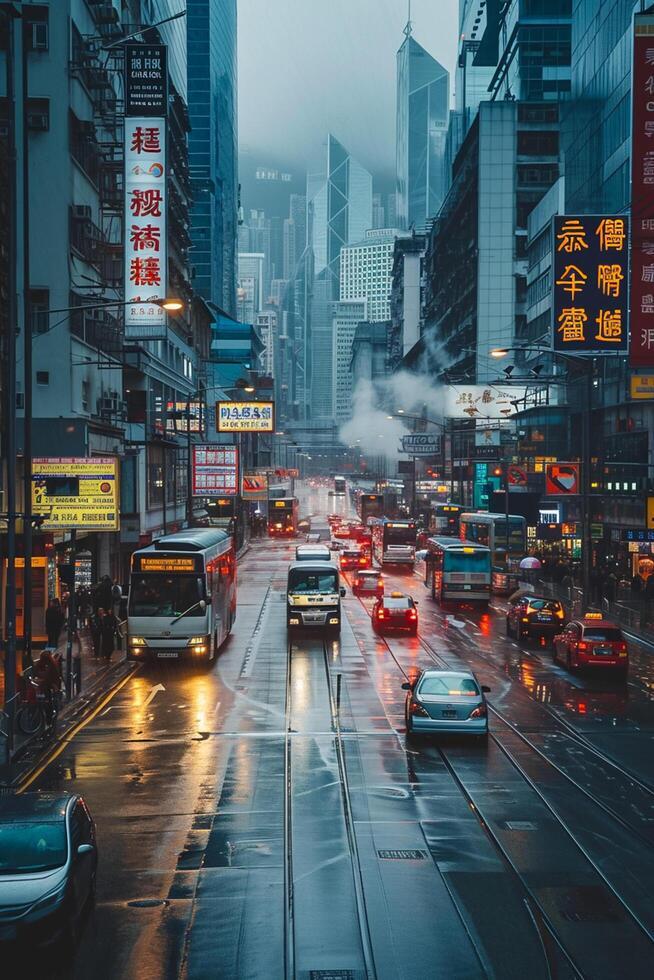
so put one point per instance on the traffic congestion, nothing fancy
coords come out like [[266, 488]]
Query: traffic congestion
[[354, 753]]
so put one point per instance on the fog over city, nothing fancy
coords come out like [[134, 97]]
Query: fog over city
[[301, 60]]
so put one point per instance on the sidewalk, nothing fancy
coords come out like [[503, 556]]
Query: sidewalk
[[98, 676]]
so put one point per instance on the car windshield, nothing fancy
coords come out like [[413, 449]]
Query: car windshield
[[300, 581], [543, 605], [398, 603], [33, 846], [164, 595], [462, 561], [449, 685], [602, 633]]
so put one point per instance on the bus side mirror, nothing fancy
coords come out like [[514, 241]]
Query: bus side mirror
[[203, 606], [342, 591], [406, 686]]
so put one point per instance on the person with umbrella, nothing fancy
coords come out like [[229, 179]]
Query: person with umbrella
[[529, 566]]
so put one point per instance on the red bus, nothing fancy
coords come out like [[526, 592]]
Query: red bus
[[283, 517]]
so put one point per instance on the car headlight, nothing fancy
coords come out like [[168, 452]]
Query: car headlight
[[137, 641], [48, 902]]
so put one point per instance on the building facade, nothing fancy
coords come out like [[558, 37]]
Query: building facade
[[406, 297], [347, 314], [366, 272]]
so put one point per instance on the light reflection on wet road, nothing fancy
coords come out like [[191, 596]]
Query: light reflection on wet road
[[485, 858]]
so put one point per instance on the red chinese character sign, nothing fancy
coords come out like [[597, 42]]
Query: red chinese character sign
[[215, 471], [641, 347], [562, 479], [590, 283]]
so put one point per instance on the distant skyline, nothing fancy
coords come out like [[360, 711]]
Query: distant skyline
[[309, 67]]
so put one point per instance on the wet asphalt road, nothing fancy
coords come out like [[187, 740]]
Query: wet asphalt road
[[249, 830]]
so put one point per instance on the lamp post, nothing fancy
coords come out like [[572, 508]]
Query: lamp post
[[586, 367], [401, 414]]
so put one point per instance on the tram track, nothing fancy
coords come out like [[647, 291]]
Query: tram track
[[547, 929]]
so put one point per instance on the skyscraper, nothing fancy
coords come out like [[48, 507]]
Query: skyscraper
[[366, 270], [421, 126], [212, 141], [340, 198]]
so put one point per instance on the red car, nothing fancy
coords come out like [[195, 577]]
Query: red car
[[368, 583], [396, 611], [592, 642], [352, 558]]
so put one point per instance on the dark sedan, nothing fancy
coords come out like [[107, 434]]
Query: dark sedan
[[48, 864], [534, 616]]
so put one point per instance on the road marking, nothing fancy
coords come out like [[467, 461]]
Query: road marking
[[22, 786], [154, 690]]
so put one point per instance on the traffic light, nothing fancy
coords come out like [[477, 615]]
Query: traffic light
[[497, 471]]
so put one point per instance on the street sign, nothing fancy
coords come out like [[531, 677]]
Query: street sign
[[487, 452], [421, 444], [641, 386], [637, 534], [76, 492], [562, 478], [146, 80], [245, 416], [215, 471], [516, 476], [589, 283]]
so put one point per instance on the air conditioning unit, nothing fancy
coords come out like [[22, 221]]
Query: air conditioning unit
[[38, 36], [110, 405], [38, 120], [82, 212]]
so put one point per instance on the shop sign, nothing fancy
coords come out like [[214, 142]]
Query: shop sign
[[562, 478], [179, 414], [145, 226], [643, 534], [516, 476], [76, 492], [146, 80], [641, 386], [483, 401], [215, 471], [487, 452], [596, 532], [485, 436], [641, 347], [589, 283], [421, 444], [245, 416]]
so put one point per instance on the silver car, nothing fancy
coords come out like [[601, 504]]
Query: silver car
[[48, 863], [448, 701]]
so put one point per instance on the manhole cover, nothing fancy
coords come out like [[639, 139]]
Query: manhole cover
[[520, 825], [402, 855], [332, 975], [146, 903]]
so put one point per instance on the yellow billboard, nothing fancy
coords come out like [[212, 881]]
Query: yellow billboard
[[245, 416], [642, 386], [79, 492]]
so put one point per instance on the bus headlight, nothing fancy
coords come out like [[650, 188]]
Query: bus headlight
[[137, 641], [294, 621], [333, 621]]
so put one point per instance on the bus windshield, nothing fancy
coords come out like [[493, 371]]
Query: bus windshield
[[165, 595], [303, 582], [460, 561], [400, 535]]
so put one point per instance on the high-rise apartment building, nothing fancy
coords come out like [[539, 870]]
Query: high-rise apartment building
[[346, 315], [378, 211], [250, 291], [422, 109], [366, 269], [212, 83]]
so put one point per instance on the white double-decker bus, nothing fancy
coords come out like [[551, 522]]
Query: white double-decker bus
[[182, 596]]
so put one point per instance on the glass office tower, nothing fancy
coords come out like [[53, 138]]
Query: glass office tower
[[423, 92], [212, 86]]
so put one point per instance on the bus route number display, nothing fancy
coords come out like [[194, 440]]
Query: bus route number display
[[169, 563]]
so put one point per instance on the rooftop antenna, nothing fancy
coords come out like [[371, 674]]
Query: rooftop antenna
[[408, 30]]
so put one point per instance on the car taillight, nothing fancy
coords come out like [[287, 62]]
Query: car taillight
[[417, 709], [411, 614], [479, 712], [362, 561], [525, 619], [582, 645], [380, 583], [381, 614], [622, 649], [560, 614]]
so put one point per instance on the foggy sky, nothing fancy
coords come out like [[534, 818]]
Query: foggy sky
[[307, 67]]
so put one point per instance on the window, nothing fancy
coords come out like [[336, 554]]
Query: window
[[43, 378], [86, 390], [38, 115], [36, 27], [39, 305]]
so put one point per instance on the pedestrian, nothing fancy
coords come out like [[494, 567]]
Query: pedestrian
[[103, 594], [610, 588], [96, 631], [108, 629], [54, 621], [76, 676]]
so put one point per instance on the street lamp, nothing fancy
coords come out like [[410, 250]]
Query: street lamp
[[586, 366]]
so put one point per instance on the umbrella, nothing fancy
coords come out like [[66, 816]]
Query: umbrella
[[530, 562]]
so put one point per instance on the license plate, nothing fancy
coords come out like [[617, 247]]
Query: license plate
[[168, 653], [7, 933], [604, 651], [448, 714], [543, 618]]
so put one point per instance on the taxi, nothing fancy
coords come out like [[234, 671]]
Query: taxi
[[368, 582], [592, 642], [395, 611], [352, 558]]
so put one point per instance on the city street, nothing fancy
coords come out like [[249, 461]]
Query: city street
[[268, 817]]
